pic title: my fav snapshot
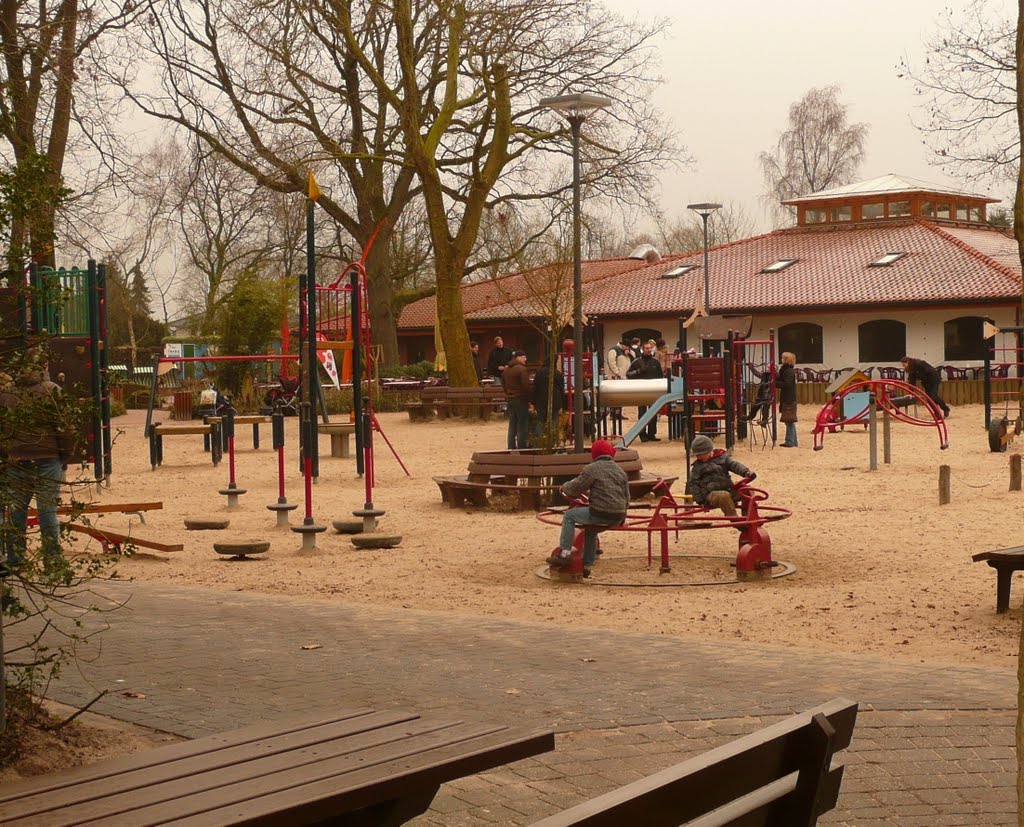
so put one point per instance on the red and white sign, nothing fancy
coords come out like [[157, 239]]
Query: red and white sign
[[327, 360]]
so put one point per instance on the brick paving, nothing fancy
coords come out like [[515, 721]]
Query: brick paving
[[933, 745]]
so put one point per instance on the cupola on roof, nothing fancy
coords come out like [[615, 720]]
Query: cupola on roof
[[890, 197]]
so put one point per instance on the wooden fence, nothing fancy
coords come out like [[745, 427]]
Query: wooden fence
[[955, 392]]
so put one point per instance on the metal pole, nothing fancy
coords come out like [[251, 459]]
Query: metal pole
[[311, 323], [575, 122], [707, 280]]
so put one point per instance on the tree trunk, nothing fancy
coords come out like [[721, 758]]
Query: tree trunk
[[381, 289]]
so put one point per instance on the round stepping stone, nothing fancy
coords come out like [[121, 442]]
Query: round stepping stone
[[348, 526], [376, 540], [205, 525], [241, 550]]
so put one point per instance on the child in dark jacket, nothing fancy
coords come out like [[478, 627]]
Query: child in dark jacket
[[709, 483]]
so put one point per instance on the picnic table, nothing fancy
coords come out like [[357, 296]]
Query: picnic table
[[360, 766]]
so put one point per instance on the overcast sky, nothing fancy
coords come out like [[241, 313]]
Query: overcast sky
[[733, 67]]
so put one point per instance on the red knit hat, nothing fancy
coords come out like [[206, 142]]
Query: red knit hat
[[602, 448]]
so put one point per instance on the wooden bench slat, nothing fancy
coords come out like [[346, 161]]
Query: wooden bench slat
[[1009, 554], [217, 777], [174, 430], [102, 508], [262, 731], [116, 538], [351, 779], [316, 802]]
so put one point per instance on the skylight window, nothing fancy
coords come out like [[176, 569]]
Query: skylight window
[[780, 265], [676, 272], [887, 259]]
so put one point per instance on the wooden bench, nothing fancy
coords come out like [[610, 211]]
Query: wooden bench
[[443, 401], [535, 477], [104, 508], [246, 419], [339, 433], [355, 767], [1005, 561], [211, 437], [780, 776]]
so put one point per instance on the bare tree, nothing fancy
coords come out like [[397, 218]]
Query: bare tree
[[223, 217], [967, 86], [380, 99], [44, 68], [818, 150], [685, 234], [470, 122]]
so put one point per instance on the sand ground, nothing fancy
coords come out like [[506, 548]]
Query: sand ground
[[883, 569]]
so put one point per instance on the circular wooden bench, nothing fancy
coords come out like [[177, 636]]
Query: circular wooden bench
[[535, 477]]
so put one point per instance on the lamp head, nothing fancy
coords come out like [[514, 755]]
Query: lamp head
[[704, 209], [576, 105]]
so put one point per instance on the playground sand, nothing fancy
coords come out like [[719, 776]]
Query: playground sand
[[882, 568]]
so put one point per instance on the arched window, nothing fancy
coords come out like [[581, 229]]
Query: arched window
[[963, 338], [881, 340], [643, 334], [803, 340]]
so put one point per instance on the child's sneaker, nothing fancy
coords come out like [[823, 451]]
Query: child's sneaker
[[560, 559]]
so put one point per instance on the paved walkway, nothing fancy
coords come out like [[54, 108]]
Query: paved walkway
[[933, 746]]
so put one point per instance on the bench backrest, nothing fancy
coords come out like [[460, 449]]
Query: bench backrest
[[530, 464], [780, 775], [444, 393]]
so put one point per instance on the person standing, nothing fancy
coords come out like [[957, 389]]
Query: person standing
[[32, 442], [474, 350], [920, 370], [785, 383], [618, 360], [516, 380], [541, 381], [664, 356], [646, 366], [498, 359]]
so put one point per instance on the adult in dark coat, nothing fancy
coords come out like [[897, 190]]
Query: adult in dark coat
[[919, 370], [785, 383], [474, 350], [498, 359], [540, 397], [646, 366]]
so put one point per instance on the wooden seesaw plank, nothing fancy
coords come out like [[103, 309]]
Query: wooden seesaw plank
[[115, 538], [102, 508]]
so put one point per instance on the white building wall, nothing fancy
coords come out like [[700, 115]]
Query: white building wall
[[925, 331]]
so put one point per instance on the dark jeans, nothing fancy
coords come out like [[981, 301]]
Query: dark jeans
[[932, 389], [518, 423], [40, 478], [650, 431]]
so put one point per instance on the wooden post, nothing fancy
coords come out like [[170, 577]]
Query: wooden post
[[944, 484], [1015, 472], [872, 433], [886, 438]]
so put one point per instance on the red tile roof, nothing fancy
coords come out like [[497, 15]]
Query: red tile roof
[[508, 296], [943, 264]]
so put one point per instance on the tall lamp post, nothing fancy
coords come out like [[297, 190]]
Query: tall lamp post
[[575, 108], [705, 211]]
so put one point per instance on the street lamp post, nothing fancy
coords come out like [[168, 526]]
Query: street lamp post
[[575, 109], [705, 211]]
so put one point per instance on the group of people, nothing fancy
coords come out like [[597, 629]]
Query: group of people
[[710, 481], [633, 359], [525, 400]]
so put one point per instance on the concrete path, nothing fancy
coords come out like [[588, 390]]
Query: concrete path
[[933, 746]]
